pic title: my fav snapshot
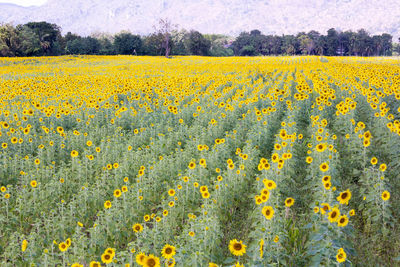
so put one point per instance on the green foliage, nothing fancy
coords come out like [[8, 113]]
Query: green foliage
[[127, 44]]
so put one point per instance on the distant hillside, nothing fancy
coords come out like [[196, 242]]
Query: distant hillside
[[211, 16]]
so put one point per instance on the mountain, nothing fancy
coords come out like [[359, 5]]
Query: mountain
[[212, 16]]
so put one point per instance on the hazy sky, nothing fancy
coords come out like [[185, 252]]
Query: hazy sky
[[25, 2]]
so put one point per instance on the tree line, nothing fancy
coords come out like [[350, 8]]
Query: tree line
[[45, 39]]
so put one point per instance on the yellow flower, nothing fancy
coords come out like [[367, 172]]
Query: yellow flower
[[344, 197], [324, 167], [268, 212], [168, 251], [137, 227], [289, 202], [382, 167], [237, 248], [343, 221], [385, 195], [117, 193], [95, 264], [334, 215], [74, 153], [24, 245], [341, 255], [106, 258], [140, 258], [107, 204], [62, 246], [33, 183], [151, 261]]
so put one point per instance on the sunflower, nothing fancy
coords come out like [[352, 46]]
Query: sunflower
[[168, 251], [212, 264], [140, 258], [334, 215], [385, 195], [269, 184], [316, 209], [33, 183], [151, 261], [268, 212], [327, 185], [107, 204], [192, 165], [63, 247], [320, 147], [95, 264], [24, 245], [343, 221], [171, 192], [202, 162], [374, 161], [309, 159], [289, 202], [324, 167], [170, 262], [326, 178], [74, 153], [110, 251], [341, 255], [366, 142], [344, 197], [106, 258], [117, 193], [261, 248], [276, 239], [382, 167], [275, 157], [237, 248], [205, 195], [137, 227], [352, 212]]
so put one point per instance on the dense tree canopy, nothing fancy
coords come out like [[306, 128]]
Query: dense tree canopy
[[44, 39]]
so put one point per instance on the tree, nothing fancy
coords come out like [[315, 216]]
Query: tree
[[290, 44], [220, 45], [387, 44], [198, 45], [344, 43], [152, 44], [165, 27], [48, 34], [249, 44], [30, 42], [179, 40], [332, 42], [9, 40], [306, 44], [127, 44]]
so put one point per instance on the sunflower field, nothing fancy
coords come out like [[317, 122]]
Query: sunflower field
[[196, 161]]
